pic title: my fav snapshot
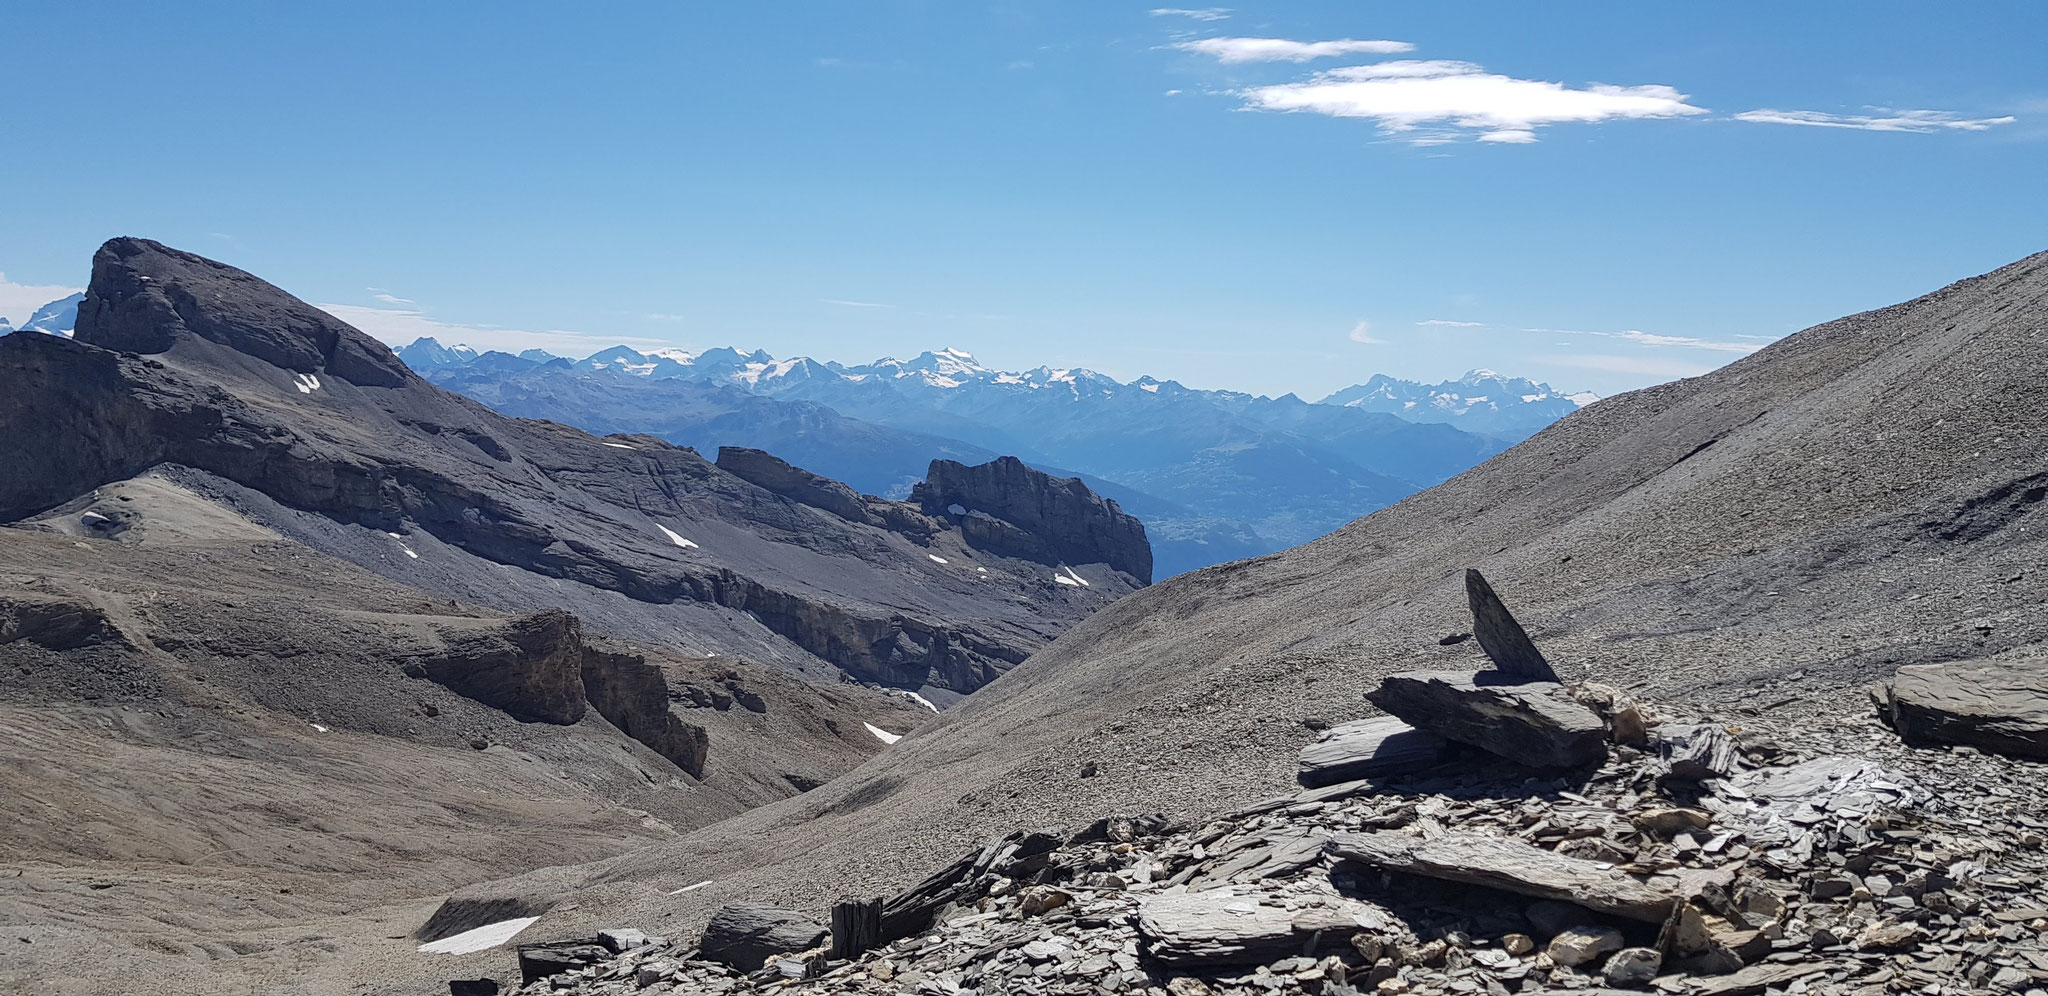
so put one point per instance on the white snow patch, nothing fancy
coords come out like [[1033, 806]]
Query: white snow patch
[[692, 887], [983, 570], [488, 936], [306, 383], [1065, 580], [1582, 399], [673, 535], [883, 735], [919, 699], [1077, 579], [1154, 388], [317, 726], [936, 559], [409, 553], [1527, 398], [621, 446]]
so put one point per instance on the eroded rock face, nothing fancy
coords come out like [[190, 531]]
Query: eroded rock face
[[53, 623], [532, 668], [634, 696], [1061, 514]]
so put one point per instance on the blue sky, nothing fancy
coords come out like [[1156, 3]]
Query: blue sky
[[1280, 197]]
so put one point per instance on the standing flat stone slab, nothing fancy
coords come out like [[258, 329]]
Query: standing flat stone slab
[[1501, 636], [1367, 748], [1998, 704], [1698, 753], [1538, 725], [1510, 866]]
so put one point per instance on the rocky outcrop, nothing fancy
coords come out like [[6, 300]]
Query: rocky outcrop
[[1221, 927], [1539, 725], [54, 623], [1501, 636], [1998, 704], [1510, 866], [532, 668], [745, 937], [633, 695], [1053, 517], [771, 473]]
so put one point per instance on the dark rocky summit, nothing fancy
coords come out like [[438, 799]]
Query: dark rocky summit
[[1035, 515]]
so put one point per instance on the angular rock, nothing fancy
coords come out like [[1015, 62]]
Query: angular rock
[[532, 668], [1223, 928], [1367, 748], [745, 937], [1998, 704], [1697, 753], [538, 961], [1510, 866], [1582, 945], [1501, 636], [473, 987], [633, 695], [1538, 725]]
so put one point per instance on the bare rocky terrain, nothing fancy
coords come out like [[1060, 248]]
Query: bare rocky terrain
[[1760, 544]]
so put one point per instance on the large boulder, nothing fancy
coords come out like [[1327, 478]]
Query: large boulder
[[1539, 725], [1998, 704], [1054, 517], [1510, 866], [745, 937], [1367, 748]]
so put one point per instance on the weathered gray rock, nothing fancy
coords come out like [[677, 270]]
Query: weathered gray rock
[[1539, 725], [538, 961], [1632, 968], [1221, 927], [634, 696], [1501, 636], [1367, 748], [745, 937], [1510, 866], [1697, 753], [1998, 704]]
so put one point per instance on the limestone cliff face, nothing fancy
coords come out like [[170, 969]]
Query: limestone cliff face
[[1045, 516]]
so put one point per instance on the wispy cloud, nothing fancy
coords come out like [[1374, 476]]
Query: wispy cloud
[[1459, 98], [392, 298], [399, 326], [1639, 365], [1285, 50], [1441, 323], [1882, 119], [1198, 13], [1654, 340], [18, 301], [852, 304], [1362, 332], [657, 316]]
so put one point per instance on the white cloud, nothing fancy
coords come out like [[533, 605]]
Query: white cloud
[[1649, 339], [18, 301], [1404, 95], [1438, 322], [1199, 14], [1284, 50], [1627, 365], [659, 316], [1362, 332], [393, 299], [1885, 119], [852, 304], [399, 326]]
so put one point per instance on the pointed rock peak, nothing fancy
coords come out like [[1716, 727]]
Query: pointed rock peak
[[1501, 636], [146, 297]]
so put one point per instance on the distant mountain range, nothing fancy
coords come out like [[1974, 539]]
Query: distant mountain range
[[1215, 475], [58, 317]]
